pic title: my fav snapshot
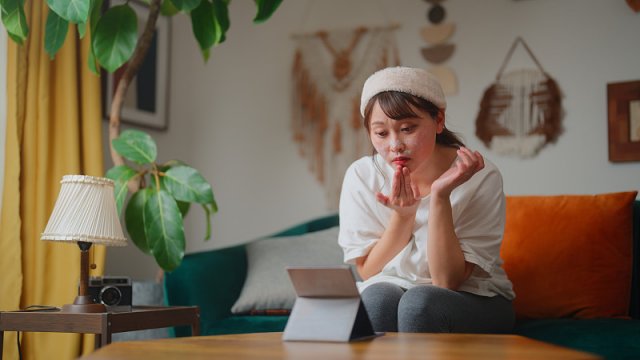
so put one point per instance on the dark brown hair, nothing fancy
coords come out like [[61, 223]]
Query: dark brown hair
[[397, 105]]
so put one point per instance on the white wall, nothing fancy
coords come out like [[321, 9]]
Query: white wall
[[230, 117]]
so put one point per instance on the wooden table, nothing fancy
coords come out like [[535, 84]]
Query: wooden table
[[389, 346], [101, 324]]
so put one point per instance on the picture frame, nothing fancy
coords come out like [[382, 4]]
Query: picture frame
[[146, 101], [623, 103]]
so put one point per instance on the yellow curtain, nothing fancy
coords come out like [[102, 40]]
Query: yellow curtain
[[53, 129]]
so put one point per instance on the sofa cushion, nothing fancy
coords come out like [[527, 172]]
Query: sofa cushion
[[569, 256], [267, 286], [610, 338]]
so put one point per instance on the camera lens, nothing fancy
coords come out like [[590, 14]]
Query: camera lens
[[110, 295]]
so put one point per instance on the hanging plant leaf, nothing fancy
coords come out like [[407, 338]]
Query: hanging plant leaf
[[96, 11], [136, 146], [121, 175], [134, 219], [82, 30], [207, 217], [168, 9], [93, 63], [187, 5], [82, 26], [204, 27], [54, 34], [266, 8], [184, 207], [221, 20], [14, 20], [186, 184], [96, 8], [214, 206], [164, 229], [115, 37], [75, 11]]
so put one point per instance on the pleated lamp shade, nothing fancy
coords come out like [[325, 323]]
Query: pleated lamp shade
[[85, 211]]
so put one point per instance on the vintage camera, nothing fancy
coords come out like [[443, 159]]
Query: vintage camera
[[115, 292]]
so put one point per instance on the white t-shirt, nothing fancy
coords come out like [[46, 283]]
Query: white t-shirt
[[478, 208]]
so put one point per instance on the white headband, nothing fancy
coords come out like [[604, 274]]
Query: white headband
[[413, 81]]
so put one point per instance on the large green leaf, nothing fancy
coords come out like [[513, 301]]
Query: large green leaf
[[164, 229], [187, 184], [115, 37], [266, 8], [75, 11], [204, 27], [184, 206], [186, 5], [134, 219], [54, 34], [14, 19], [121, 175], [136, 146]]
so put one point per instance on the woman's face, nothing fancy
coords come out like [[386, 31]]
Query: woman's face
[[407, 142]]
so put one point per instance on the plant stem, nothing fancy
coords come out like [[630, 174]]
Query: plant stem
[[130, 71], [155, 174]]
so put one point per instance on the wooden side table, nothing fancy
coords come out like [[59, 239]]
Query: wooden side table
[[101, 324]]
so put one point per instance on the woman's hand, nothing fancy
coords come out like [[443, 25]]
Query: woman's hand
[[464, 167], [404, 197]]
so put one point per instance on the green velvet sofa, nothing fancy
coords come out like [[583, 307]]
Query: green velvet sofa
[[214, 279]]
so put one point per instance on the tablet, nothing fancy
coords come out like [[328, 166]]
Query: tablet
[[328, 306]]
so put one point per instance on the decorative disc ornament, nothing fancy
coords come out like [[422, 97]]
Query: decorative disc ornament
[[521, 111], [438, 50]]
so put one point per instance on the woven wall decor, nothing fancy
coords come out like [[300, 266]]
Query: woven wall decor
[[521, 111], [329, 70], [439, 50]]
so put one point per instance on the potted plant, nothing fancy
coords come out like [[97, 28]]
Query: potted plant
[[162, 196], [161, 192]]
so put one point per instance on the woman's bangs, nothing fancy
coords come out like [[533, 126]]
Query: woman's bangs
[[397, 105]]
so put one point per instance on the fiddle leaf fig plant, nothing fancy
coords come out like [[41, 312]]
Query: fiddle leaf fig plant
[[155, 211]]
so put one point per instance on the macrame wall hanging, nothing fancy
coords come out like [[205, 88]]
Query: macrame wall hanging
[[329, 69], [521, 111]]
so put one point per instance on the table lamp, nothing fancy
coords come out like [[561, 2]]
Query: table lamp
[[85, 213]]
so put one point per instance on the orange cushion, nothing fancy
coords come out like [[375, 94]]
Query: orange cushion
[[569, 256]]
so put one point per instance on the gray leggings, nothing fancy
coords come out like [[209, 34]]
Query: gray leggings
[[429, 308]]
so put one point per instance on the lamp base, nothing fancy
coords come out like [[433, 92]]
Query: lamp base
[[84, 304]]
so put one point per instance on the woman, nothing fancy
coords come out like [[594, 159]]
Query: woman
[[422, 219]]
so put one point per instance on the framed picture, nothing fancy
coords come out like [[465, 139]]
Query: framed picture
[[146, 101], [623, 101]]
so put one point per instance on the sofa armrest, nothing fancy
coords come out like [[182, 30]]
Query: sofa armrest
[[211, 280]]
